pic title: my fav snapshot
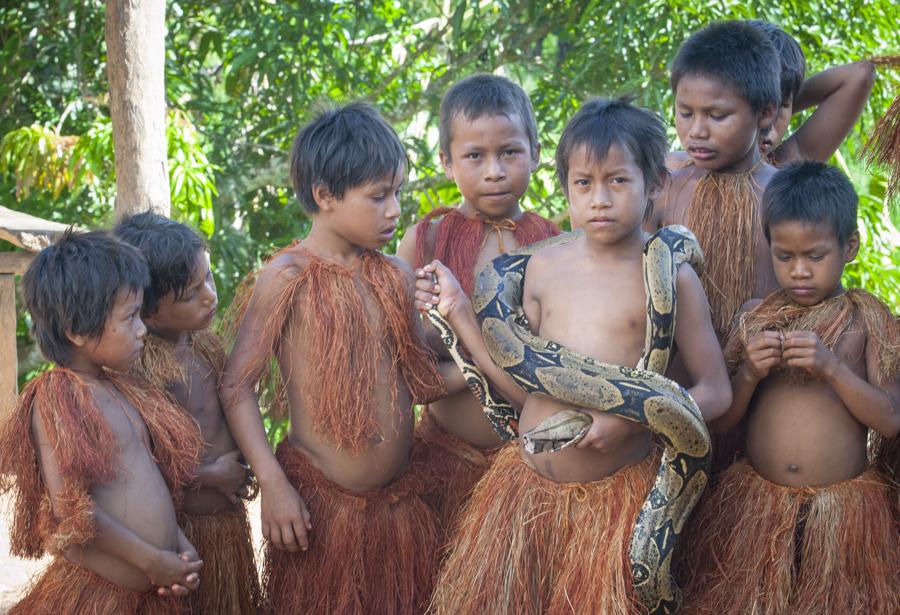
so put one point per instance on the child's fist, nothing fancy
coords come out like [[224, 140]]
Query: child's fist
[[437, 287], [763, 353], [804, 349]]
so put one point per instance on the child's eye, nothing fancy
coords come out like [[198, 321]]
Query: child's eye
[[472, 156], [581, 182], [619, 180], [511, 152], [685, 114], [816, 257], [783, 258], [717, 116]]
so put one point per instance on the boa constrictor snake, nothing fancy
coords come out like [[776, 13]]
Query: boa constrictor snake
[[641, 394]]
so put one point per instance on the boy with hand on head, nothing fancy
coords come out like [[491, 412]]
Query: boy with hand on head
[[725, 81], [183, 358], [347, 529], [801, 525], [95, 458], [839, 95], [550, 533], [489, 147]]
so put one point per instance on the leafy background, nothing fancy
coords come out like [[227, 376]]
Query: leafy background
[[243, 76]]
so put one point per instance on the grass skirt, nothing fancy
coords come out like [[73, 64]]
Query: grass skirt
[[370, 552], [229, 584], [528, 545], [67, 589], [761, 548]]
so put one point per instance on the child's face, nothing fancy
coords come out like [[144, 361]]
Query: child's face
[[366, 216], [607, 197], [809, 259], [122, 340], [194, 309], [770, 139], [716, 127], [490, 161]]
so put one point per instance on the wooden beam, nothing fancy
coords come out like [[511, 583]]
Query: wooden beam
[[15, 262], [27, 231], [9, 366]]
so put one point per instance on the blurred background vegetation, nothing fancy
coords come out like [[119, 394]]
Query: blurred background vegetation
[[243, 76]]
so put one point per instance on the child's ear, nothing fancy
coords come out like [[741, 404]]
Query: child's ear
[[766, 118], [323, 197], [77, 339], [852, 247], [659, 186], [536, 161], [447, 164]]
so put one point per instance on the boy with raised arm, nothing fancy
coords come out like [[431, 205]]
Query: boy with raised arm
[[550, 533], [489, 147], [803, 525], [838, 94], [95, 458], [342, 511], [183, 358]]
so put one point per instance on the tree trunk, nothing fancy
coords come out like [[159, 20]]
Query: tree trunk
[[135, 43]]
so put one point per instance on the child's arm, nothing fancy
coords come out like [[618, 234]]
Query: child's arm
[[165, 569], [454, 305], [699, 347], [406, 251], [227, 474], [874, 406], [839, 95], [284, 516]]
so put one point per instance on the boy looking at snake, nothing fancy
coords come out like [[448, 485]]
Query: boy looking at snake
[[804, 524], [550, 533], [94, 457], [347, 529], [184, 359], [489, 147]]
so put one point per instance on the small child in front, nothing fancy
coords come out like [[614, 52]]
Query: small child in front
[[550, 533], [95, 458], [839, 95], [489, 147], [801, 526], [338, 316], [183, 358], [725, 79]]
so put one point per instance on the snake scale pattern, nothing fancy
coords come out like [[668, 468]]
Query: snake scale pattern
[[641, 394]]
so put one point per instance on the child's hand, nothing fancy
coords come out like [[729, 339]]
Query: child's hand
[[284, 517], [437, 287], [804, 349], [229, 475], [763, 353], [175, 574], [607, 432]]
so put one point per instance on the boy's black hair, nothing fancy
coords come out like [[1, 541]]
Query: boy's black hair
[[809, 191], [343, 148], [793, 62], [171, 250], [71, 286], [601, 123], [738, 55], [483, 94]]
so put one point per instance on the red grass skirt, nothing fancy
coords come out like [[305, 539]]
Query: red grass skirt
[[456, 465], [759, 547], [229, 584], [370, 552], [67, 589], [528, 545]]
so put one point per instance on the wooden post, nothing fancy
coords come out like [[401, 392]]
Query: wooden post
[[9, 367]]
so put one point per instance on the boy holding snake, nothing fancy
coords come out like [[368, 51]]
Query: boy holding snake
[[804, 524], [550, 532]]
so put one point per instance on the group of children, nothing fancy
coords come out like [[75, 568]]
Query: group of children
[[130, 459]]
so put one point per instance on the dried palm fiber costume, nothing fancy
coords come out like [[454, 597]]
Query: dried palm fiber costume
[[82, 446], [647, 397], [369, 551], [760, 547], [883, 145], [230, 585], [456, 241]]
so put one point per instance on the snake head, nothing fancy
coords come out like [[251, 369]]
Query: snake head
[[558, 431]]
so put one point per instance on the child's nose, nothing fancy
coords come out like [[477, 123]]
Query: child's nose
[[141, 329], [495, 169], [800, 269], [699, 128], [393, 207]]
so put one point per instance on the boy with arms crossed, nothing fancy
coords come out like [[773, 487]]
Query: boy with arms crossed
[[183, 358], [801, 525], [339, 318], [550, 533], [91, 454], [489, 147]]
